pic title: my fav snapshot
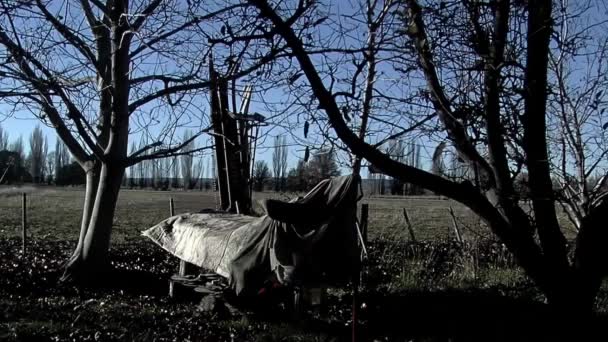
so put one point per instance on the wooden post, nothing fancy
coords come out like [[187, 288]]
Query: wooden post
[[24, 223], [455, 225], [408, 224], [183, 266], [364, 219], [219, 138]]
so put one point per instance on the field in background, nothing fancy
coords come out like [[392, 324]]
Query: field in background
[[435, 261], [54, 213]]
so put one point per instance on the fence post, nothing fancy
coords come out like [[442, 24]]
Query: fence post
[[184, 267], [408, 224], [364, 219], [455, 225], [24, 223], [171, 282]]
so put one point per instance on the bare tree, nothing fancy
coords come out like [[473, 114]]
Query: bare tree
[[175, 172], [578, 101], [187, 161], [38, 151], [17, 147], [261, 174], [50, 167], [90, 78], [3, 139], [197, 172], [279, 162], [61, 158], [396, 150], [499, 53], [165, 172]]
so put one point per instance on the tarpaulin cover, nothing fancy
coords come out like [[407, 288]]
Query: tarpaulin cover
[[310, 239]]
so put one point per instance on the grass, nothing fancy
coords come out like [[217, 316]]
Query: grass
[[431, 275], [54, 213]]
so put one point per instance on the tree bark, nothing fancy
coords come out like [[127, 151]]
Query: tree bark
[[90, 259]]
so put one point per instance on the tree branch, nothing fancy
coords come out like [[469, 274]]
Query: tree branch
[[136, 157], [194, 21], [522, 245], [199, 85], [455, 129], [23, 57], [69, 35]]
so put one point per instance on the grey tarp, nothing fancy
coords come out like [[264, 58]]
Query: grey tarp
[[310, 239]]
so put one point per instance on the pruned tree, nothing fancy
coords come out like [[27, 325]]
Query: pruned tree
[[499, 53], [279, 161], [100, 71]]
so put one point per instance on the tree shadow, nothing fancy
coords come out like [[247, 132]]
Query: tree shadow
[[472, 316], [133, 282]]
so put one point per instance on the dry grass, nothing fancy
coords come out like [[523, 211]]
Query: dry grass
[[54, 213]]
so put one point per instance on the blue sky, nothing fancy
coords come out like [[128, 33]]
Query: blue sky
[[22, 123]]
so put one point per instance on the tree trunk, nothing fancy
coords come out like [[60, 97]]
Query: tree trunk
[[90, 259]]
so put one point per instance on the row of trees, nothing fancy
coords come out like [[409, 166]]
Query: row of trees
[[300, 178], [39, 165], [184, 171]]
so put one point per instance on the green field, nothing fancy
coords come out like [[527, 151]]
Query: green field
[[432, 276]]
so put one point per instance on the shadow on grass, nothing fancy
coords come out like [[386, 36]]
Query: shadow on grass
[[472, 316], [132, 282]]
